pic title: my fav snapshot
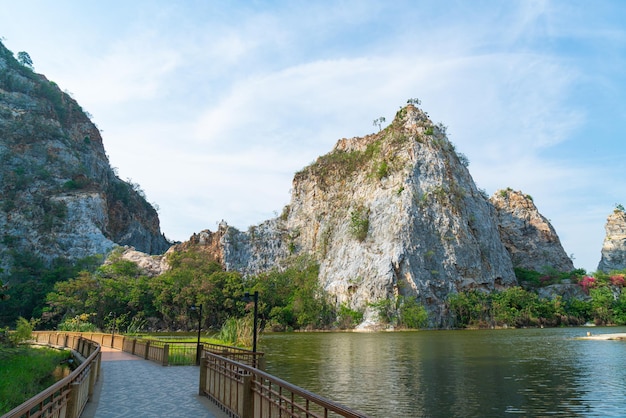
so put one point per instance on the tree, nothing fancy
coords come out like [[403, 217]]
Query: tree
[[414, 101], [3, 291], [24, 59], [378, 122]]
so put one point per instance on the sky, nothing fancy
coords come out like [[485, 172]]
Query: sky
[[213, 106]]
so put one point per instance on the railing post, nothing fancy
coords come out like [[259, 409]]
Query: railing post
[[93, 375], [203, 373], [72, 402], [260, 362], [199, 349], [147, 349], [134, 344], [247, 404], [166, 354]]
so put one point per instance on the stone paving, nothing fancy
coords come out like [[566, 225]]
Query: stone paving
[[132, 387]]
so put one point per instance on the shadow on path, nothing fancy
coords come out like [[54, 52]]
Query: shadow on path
[[132, 387]]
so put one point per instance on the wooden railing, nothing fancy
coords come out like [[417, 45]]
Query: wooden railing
[[247, 392], [240, 355], [66, 398]]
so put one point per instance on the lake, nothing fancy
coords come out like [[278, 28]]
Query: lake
[[483, 373]]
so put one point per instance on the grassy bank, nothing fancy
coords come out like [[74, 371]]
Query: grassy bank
[[24, 372]]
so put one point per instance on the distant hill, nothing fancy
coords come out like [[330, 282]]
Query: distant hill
[[59, 196]]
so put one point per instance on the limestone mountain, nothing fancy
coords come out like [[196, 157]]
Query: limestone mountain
[[393, 213], [59, 197], [527, 235], [614, 246]]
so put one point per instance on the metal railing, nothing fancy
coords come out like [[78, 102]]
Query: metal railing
[[67, 397], [246, 392], [238, 354]]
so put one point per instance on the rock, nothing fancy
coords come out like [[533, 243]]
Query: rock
[[527, 235], [59, 197], [614, 246], [393, 214], [152, 265]]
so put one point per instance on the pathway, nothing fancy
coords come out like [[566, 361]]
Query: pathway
[[132, 387]]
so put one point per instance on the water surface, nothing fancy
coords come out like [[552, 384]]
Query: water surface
[[490, 373]]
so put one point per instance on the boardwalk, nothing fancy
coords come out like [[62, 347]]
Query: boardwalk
[[132, 387]]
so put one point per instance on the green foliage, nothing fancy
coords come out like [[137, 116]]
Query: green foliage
[[379, 121], [401, 311], [602, 301], [24, 372], [24, 59], [411, 314], [23, 330], [237, 331], [79, 323], [31, 280], [414, 101], [293, 298], [429, 131], [385, 310], [359, 223], [342, 164], [463, 159], [382, 171], [531, 279], [348, 318]]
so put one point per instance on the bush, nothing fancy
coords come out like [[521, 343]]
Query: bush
[[359, 223], [411, 313], [348, 318], [79, 323], [23, 330]]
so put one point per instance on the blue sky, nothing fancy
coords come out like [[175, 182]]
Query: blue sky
[[212, 106]]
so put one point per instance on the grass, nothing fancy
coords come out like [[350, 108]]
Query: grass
[[24, 372], [182, 347]]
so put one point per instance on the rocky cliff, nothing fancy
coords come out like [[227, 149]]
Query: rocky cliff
[[528, 236], [59, 196], [395, 213], [614, 246]]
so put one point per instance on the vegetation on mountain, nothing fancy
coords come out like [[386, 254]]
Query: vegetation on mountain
[[521, 306]]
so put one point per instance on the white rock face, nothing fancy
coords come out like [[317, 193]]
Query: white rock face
[[394, 213], [59, 197], [614, 246], [152, 265], [430, 232]]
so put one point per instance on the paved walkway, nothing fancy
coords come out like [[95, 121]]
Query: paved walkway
[[132, 387]]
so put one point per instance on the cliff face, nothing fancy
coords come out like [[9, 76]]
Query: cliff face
[[614, 246], [398, 213], [527, 235], [59, 196], [395, 213]]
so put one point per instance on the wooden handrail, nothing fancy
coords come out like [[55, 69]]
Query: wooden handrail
[[246, 392], [62, 398]]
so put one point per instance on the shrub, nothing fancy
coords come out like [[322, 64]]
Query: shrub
[[382, 171], [359, 223], [79, 323], [348, 318], [587, 282], [23, 330], [411, 313]]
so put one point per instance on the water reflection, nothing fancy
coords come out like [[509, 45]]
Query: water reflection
[[535, 372]]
